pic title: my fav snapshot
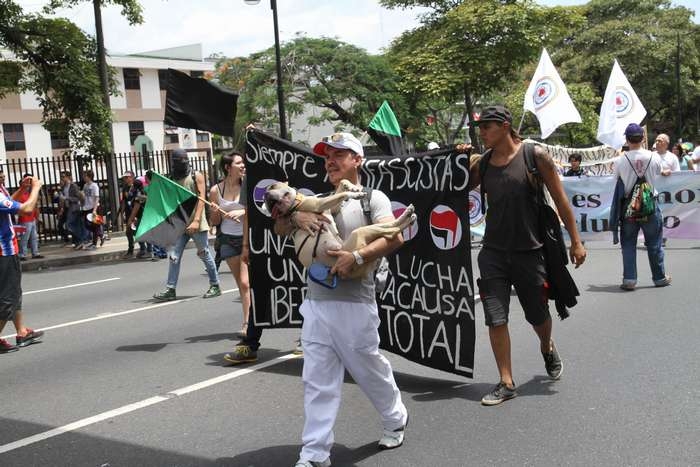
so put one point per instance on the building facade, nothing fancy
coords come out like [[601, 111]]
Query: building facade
[[137, 111]]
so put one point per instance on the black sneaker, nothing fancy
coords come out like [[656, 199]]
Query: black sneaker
[[7, 347], [552, 362], [32, 337], [498, 394]]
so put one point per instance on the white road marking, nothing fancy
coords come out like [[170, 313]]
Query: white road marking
[[71, 286], [116, 314], [140, 405]]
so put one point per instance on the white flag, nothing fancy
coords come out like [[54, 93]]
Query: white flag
[[548, 98], [621, 106]]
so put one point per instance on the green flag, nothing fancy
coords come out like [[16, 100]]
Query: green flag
[[385, 131], [168, 210]]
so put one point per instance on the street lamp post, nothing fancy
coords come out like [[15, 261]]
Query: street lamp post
[[280, 91]]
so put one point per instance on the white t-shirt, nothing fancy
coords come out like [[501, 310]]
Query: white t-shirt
[[696, 158], [669, 161], [92, 196], [639, 159]]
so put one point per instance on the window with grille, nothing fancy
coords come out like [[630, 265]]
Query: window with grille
[[135, 130], [131, 78], [202, 137], [59, 140], [14, 136]]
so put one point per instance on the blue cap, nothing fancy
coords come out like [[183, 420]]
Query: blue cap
[[634, 130]]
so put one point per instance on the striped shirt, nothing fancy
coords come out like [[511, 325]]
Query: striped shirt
[[8, 239]]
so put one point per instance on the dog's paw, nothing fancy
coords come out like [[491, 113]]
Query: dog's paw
[[355, 194], [414, 218], [346, 185]]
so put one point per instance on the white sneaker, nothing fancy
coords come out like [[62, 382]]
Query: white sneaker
[[301, 463], [392, 439], [298, 347]]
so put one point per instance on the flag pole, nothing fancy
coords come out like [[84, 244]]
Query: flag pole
[[521, 122]]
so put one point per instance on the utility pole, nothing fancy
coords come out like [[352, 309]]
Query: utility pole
[[679, 117], [112, 183]]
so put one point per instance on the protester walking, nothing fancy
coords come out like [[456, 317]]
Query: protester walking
[[197, 230], [30, 237], [91, 201], [511, 254], [630, 167], [229, 196], [10, 269], [70, 198], [340, 325], [126, 204]]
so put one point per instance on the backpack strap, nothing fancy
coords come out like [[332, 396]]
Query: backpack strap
[[635, 170], [533, 173], [365, 202]]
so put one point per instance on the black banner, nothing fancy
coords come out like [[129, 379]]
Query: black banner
[[427, 308]]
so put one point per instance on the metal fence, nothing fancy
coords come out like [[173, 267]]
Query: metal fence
[[49, 169]]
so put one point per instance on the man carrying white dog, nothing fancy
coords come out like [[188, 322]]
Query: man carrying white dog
[[340, 324]]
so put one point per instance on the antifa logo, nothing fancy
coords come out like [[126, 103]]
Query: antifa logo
[[409, 232], [259, 194], [623, 102], [445, 227]]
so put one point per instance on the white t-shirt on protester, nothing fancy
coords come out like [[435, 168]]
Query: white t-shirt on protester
[[92, 196], [639, 159], [669, 161], [696, 158]]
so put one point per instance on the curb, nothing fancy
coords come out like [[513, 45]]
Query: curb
[[67, 258]]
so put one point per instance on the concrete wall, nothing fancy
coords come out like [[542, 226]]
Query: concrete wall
[[122, 142], [37, 140], [150, 89]]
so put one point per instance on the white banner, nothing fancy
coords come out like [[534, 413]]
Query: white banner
[[591, 197]]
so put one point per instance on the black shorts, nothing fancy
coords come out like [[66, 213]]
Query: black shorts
[[230, 245], [525, 271], [10, 287]]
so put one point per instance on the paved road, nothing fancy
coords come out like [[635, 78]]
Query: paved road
[[120, 381]]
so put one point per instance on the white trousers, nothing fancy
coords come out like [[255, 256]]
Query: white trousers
[[337, 336]]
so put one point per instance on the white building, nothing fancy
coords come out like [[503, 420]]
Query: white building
[[137, 110]]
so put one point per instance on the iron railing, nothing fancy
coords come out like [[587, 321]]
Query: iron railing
[[49, 169]]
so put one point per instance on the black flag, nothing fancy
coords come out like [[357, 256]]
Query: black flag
[[199, 104]]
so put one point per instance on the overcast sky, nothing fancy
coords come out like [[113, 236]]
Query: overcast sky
[[233, 28]]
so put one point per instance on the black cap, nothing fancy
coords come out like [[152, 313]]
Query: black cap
[[494, 113]]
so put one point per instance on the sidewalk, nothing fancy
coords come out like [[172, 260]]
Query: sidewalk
[[55, 255]]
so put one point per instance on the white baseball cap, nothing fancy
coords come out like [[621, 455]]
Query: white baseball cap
[[339, 141]]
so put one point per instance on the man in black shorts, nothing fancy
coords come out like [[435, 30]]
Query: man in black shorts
[[512, 248], [10, 270]]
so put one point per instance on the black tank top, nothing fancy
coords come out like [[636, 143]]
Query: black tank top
[[511, 218]]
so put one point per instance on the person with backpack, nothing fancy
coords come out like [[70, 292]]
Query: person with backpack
[[637, 171], [198, 230], [512, 253]]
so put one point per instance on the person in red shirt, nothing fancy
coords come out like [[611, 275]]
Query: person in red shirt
[[27, 220]]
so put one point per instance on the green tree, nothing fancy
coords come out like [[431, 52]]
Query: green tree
[[465, 51], [643, 36], [344, 81], [57, 63]]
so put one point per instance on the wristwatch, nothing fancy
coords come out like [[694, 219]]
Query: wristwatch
[[358, 257]]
